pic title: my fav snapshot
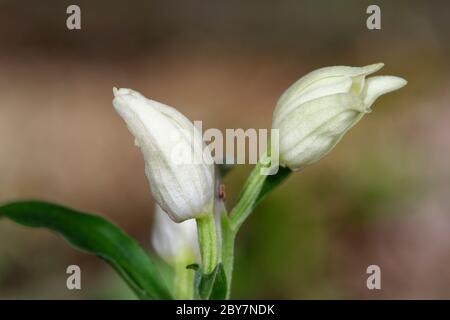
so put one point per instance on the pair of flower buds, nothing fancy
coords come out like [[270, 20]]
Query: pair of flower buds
[[311, 116]]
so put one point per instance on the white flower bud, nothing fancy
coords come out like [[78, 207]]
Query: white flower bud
[[175, 241], [181, 183], [317, 110]]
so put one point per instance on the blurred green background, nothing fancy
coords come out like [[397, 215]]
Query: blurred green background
[[380, 197]]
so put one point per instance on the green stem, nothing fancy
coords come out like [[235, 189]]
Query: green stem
[[208, 242], [248, 198], [255, 189], [228, 237], [257, 186]]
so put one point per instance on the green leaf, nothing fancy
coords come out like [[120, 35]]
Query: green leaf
[[212, 286], [219, 289], [95, 235]]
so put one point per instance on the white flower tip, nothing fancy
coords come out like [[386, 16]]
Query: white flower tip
[[400, 82], [121, 91], [378, 65], [125, 91], [379, 85], [388, 83], [372, 68]]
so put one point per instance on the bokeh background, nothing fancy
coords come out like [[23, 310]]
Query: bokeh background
[[381, 197]]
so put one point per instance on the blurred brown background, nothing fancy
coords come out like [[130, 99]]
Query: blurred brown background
[[381, 197]]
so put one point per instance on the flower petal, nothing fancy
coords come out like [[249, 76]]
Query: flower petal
[[323, 73], [379, 85], [181, 184]]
